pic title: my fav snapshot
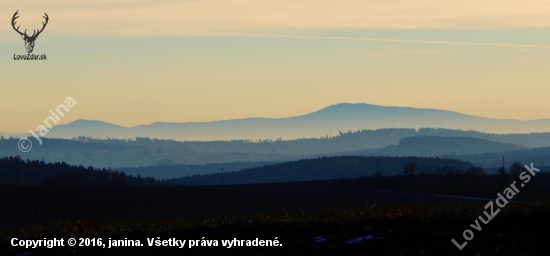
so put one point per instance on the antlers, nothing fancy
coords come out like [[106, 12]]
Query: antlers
[[35, 33], [13, 23], [43, 24]]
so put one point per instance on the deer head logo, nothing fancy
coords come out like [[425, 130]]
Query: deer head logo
[[29, 40]]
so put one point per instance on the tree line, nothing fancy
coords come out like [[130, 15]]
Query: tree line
[[14, 170], [323, 168]]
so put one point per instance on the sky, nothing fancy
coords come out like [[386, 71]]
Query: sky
[[133, 62]]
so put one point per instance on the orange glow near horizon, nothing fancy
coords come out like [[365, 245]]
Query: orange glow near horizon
[[133, 62]]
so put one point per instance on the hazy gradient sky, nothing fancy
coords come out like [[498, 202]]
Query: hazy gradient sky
[[134, 62]]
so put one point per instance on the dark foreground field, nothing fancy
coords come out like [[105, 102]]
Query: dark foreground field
[[31, 205], [290, 213]]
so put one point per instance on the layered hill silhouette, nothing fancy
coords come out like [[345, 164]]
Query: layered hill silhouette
[[327, 121], [438, 146], [169, 158]]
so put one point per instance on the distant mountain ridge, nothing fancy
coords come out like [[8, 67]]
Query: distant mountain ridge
[[332, 119]]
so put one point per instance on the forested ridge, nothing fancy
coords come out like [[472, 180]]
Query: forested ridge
[[14, 170], [325, 168]]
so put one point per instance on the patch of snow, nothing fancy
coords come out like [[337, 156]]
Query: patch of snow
[[320, 239], [360, 239]]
